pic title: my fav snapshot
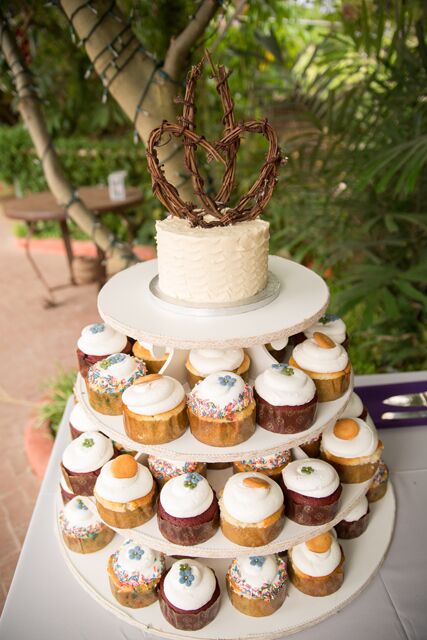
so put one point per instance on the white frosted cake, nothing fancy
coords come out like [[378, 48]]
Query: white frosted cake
[[214, 265]]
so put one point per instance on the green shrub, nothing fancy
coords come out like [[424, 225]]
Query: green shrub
[[58, 388]]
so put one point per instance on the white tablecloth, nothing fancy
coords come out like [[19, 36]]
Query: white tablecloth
[[46, 603]]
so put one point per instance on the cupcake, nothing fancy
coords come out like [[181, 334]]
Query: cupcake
[[221, 410], [66, 492], [203, 362], [316, 567], [332, 326], [353, 448], [271, 465], [326, 363], [257, 585], [82, 530], [378, 487], [189, 595], [252, 509], [154, 409], [312, 491], [151, 355], [122, 448], [355, 522], [80, 421], [277, 349], [82, 461], [286, 399], [163, 469], [188, 510], [134, 573], [312, 447], [97, 341], [107, 379], [355, 408], [125, 493]]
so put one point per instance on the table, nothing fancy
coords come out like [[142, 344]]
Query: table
[[45, 602]]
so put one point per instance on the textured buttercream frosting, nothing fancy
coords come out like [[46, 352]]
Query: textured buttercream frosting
[[311, 477], [87, 453], [365, 443], [215, 265], [354, 408], [206, 361], [99, 339], [282, 385], [186, 496], [80, 420], [189, 584], [114, 489], [251, 504], [135, 565], [154, 397], [359, 509], [79, 521], [331, 325], [258, 576], [310, 356], [316, 564]]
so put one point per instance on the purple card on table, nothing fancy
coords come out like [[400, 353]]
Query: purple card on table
[[373, 397]]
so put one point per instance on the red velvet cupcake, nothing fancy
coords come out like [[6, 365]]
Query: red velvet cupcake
[[355, 522], [97, 341], [82, 461]]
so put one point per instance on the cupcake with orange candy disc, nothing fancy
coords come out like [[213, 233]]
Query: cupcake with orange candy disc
[[271, 465], [379, 483], [331, 325], [353, 448], [154, 409], [252, 509], [125, 493], [316, 567], [203, 362], [97, 341], [107, 379], [257, 585], [164, 469], [326, 363], [355, 522], [82, 530], [154, 357], [221, 410], [82, 461]]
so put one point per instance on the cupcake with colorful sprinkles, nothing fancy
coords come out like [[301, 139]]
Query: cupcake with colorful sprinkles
[[82, 530], [221, 410], [379, 484], [164, 469], [135, 573], [107, 380], [271, 465], [97, 341], [257, 585]]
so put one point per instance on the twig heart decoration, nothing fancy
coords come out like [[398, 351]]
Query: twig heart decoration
[[215, 211]]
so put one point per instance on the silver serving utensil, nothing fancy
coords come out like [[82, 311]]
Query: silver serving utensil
[[408, 400], [403, 415]]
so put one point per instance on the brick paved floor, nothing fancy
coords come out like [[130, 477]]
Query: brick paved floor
[[33, 342]]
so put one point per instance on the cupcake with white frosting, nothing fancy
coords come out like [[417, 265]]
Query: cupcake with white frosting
[[352, 447], [355, 408], [257, 585], [312, 491], [271, 465], [155, 409], [134, 573], [80, 421], [125, 493], [153, 356], [331, 325], [188, 510], [221, 410], [286, 399], [326, 362], [108, 379], [277, 348], [202, 362], [252, 509], [316, 567], [82, 530], [82, 461], [96, 342], [355, 522], [379, 483], [67, 493], [189, 595], [164, 469]]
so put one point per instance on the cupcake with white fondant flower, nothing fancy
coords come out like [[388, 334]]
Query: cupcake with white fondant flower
[[189, 595], [164, 469], [286, 399], [134, 573], [221, 410], [82, 461], [153, 356], [257, 585], [82, 530], [202, 362], [108, 379], [96, 342], [316, 567], [355, 522], [270, 465]]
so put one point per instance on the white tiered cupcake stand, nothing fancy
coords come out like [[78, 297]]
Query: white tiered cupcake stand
[[127, 303]]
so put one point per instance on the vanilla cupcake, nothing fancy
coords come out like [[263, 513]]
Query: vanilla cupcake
[[188, 510], [189, 595], [202, 362], [379, 483], [277, 348], [221, 410], [355, 522], [316, 567], [326, 363], [353, 448], [80, 421], [286, 399], [107, 379], [164, 469], [355, 408], [155, 409], [134, 573], [151, 355], [257, 585], [252, 509], [332, 326], [312, 491], [97, 341], [125, 493], [271, 465], [82, 461], [82, 530]]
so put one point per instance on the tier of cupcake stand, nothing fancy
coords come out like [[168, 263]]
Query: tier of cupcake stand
[[302, 299]]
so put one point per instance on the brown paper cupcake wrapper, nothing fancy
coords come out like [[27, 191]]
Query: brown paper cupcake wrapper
[[274, 474], [285, 419], [188, 535], [255, 607], [349, 530], [352, 473], [312, 449], [376, 493], [109, 404], [243, 371], [153, 364], [253, 536], [159, 429], [320, 586], [328, 389], [128, 519], [224, 433], [89, 544], [189, 621], [132, 597]]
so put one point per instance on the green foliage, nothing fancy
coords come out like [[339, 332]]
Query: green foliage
[[58, 389]]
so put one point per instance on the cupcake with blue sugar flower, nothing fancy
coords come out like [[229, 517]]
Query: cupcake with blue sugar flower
[[82, 529], [96, 342]]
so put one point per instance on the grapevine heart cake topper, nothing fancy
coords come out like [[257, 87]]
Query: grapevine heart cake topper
[[215, 211]]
